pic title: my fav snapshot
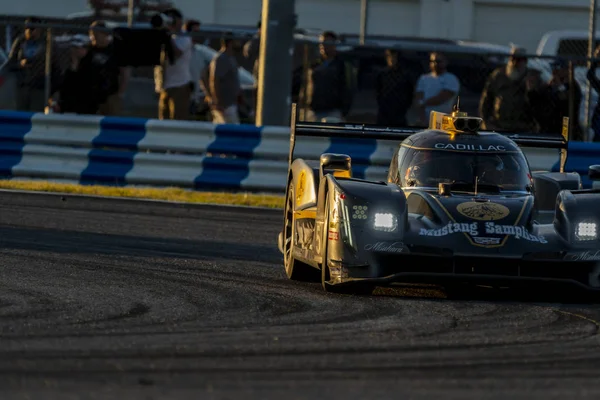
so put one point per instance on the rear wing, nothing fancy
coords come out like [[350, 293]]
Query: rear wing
[[378, 132]]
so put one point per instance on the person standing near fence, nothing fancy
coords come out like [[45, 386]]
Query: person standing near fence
[[330, 85], [436, 91], [75, 94], [504, 104], [173, 81], [197, 65], [109, 79], [550, 101], [221, 84], [252, 51], [28, 59], [595, 83], [394, 87]]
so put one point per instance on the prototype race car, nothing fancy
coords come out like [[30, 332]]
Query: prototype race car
[[459, 205]]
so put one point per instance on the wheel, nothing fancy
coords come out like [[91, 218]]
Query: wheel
[[356, 288], [295, 270]]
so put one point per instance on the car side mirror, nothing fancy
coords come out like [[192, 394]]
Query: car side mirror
[[594, 172]]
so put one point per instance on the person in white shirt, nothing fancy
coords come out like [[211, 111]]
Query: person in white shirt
[[173, 81], [436, 91], [197, 64]]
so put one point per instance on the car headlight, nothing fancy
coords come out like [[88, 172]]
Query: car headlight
[[385, 222], [586, 231]]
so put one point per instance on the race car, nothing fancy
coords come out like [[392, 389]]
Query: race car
[[458, 205]]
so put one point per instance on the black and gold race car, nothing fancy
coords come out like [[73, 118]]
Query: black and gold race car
[[459, 205]]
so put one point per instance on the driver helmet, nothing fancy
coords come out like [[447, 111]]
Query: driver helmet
[[491, 168], [415, 173]]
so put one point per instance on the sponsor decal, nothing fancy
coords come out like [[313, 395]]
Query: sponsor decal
[[584, 256], [333, 225], [452, 227], [333, 235], [473, 147], [486, 240], [335, 212], [396, 247], [483, 211], [490, 228], [519, 232]]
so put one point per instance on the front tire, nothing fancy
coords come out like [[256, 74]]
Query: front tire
[[295, 270]]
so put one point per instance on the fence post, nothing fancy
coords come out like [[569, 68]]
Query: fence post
[[275, 62], [364, 15], [48, 69]]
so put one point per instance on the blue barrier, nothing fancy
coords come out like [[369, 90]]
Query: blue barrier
[[15, 125], [200, 155]]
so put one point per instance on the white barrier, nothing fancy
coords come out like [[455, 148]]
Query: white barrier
[[131, 151]]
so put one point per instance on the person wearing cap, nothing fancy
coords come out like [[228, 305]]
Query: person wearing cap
[[109, 79], [173, 80], [504, 104], [28, 58], [73, 95], [550, 101]]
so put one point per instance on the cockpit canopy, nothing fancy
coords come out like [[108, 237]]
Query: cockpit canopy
[[490, 170]]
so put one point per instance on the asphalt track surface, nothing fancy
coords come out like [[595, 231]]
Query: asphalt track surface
[[127, 300]]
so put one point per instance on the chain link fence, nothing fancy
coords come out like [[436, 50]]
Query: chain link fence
[[373, 83], [388, 78], [140, 98]]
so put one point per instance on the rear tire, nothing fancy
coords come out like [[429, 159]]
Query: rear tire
[[358, 289], [295, 270]]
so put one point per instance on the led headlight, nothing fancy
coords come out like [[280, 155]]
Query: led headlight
[[359, 212], [586, 231], [385, 222]]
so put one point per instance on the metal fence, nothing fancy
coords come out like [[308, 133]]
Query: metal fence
[[372, 84]]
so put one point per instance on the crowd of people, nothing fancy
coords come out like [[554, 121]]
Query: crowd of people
[[94, 82], [514, 97]]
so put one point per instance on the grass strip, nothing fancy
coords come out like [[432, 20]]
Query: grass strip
[[166, 194]]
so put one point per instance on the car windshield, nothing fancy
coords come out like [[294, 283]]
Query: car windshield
[[502, 171]]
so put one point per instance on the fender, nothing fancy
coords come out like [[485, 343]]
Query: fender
[[349, 192], [304, 178], [572, 208]]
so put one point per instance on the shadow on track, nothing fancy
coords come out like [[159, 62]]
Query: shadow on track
[[74, 242], [552, 294]]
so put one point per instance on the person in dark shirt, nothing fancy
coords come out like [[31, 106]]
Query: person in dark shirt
[[330, 84], [108, 78], [28, 58], [595, 83], [394, 88], [550, 102], [73, 94]]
